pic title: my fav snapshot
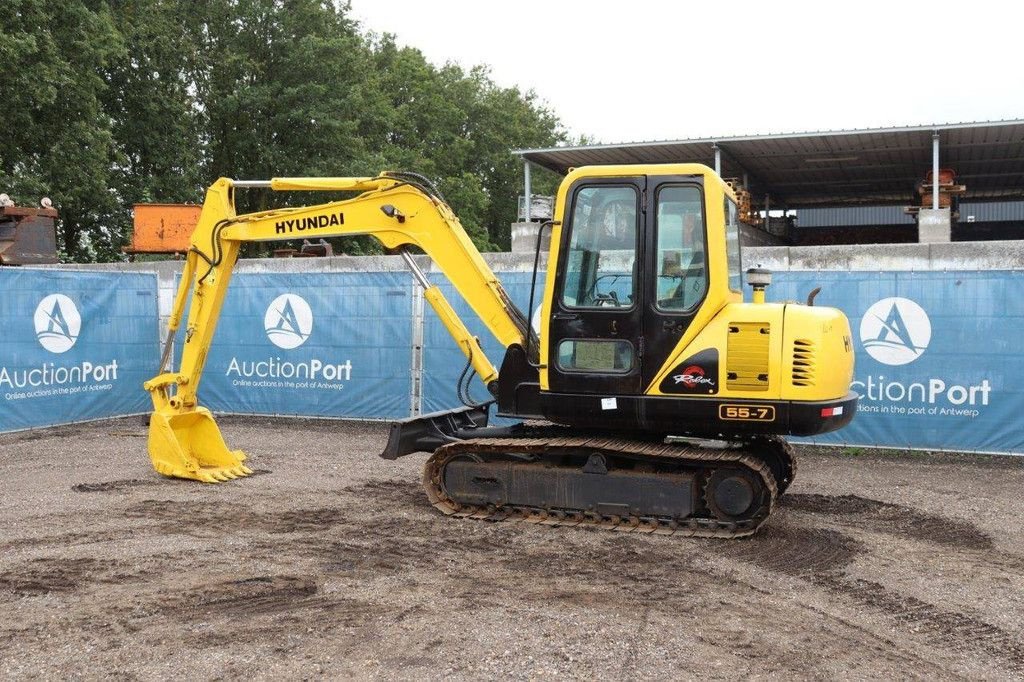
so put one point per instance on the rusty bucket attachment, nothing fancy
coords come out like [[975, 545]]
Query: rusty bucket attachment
[[189, 445]]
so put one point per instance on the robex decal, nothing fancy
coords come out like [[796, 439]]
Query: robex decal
[[692, 377], [697, 374], [288, 323], [57, 325], [896, 331]]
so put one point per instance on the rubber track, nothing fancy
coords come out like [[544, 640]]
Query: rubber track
[[788, 456], [688, 527]]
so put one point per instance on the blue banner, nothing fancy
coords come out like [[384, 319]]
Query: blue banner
[[939, 355], [939, 361], [75, 345], [313, 344]]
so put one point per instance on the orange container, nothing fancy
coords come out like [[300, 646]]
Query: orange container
[[163, 228]]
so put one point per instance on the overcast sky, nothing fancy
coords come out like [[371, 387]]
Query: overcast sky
[[646, 70]]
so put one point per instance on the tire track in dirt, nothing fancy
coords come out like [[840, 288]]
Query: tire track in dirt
[[794, 551], [182, 516], [62, 575], [242, 610], [114, 486], [819, 556], [891, 519], [71, 539], [395, 493], [962, 632]]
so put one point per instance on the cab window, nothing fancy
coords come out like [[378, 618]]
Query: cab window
[[595, 355], [682, 276], [601, 259], [732, 245]]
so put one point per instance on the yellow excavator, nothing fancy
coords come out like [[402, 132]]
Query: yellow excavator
[[652, 398]]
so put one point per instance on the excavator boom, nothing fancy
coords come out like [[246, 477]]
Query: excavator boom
[[400, 210]]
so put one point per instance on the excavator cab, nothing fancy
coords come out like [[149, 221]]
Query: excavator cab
[[644, 327], [645, 345], [619, 303]]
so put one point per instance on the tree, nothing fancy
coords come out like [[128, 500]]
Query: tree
[[60, 141], [112, 103]]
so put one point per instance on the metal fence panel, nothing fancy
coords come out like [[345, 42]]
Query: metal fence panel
[[313, 344], [939, 360], [74, 346]]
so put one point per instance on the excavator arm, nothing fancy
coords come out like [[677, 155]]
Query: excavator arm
[[401, 210]]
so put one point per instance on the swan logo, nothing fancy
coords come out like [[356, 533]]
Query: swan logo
[[895, 331], [289, 321], [57, 323]]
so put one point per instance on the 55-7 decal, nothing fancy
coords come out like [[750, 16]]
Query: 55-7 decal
[[761, 413]]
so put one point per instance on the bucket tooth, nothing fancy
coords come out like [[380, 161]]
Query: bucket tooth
[[189, 445]]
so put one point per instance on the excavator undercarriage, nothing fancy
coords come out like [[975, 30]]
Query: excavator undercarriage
[[560, 476], [620, 484]]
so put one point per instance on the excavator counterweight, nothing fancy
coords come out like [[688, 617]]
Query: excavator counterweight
[[666, 397]]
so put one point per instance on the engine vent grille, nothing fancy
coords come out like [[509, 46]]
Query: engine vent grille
[[803, 362], [747, 356]]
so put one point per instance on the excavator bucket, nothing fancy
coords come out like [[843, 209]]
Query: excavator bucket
[[189, 445]]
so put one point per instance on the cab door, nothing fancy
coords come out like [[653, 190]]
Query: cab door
[[676, 258], [595, 333]]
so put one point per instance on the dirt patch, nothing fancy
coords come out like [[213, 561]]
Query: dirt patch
[[192, 516], [113, 486], [245, 597], [883, 517], [959, 630], [337, 566], [795, 551]]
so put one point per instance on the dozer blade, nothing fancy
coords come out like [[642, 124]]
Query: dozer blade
[[189, 445]]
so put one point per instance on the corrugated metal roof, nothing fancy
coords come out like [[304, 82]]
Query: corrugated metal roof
[[851, 216], [835, 167], [993, 211]]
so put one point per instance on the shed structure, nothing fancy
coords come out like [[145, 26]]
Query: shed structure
[[834, 173]]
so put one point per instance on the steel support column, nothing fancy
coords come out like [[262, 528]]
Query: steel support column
[[718, 159], [935, 170], [527, 189]]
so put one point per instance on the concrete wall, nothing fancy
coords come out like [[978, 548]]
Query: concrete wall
[[995, 255], [989, 255], [953, 256]]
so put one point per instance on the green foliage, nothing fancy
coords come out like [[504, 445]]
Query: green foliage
[[58, 135], [107, 104]]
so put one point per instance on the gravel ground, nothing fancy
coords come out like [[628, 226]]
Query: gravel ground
[[330, 563]]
